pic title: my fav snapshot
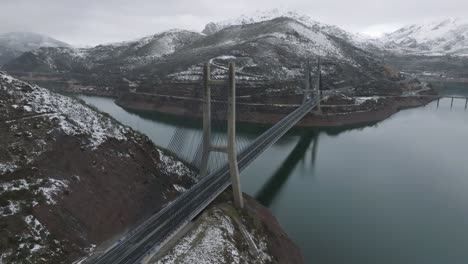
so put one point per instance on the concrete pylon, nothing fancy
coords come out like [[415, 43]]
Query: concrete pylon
[[206, 120], [307, 83], [318, 85], [230, 148]]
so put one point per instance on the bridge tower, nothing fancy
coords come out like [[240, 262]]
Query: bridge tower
[[230, 148], [318, 85], [307, 79]]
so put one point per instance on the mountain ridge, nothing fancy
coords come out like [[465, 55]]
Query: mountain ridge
[[13, 44], [438, 38]]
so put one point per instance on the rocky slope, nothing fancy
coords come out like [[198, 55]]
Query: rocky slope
[[223, 234], [71, 178], [13, 44]]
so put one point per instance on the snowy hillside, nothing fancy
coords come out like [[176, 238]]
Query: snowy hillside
[[25, 41], [270, 46], [114, 57], [13, 44], [64, 168], [8, 54], [275, 50], [260, 16], [447, 37]]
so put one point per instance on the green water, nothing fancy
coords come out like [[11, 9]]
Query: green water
[[394, 192]]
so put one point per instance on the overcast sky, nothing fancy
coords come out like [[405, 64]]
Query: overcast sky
[[92, 22]]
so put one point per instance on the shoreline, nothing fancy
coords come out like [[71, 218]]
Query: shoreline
[[389, 107]]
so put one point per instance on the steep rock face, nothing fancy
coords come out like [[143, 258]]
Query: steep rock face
[[71, 178], [447, 37]]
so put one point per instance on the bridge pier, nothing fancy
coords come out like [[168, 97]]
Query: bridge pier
[[466, 103], [438, 101], [451, 104]]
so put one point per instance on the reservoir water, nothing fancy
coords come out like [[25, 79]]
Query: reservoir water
[[392, 192]]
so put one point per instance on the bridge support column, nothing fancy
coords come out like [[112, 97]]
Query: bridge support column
[[206, 121], [231, 144], [318, 85], [466, 103], [451, 104], [307, 83]]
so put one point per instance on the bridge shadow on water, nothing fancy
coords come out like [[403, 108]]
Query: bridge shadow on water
[[273, 186], [271, 189]]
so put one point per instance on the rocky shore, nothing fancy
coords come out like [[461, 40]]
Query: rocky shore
[[336, 111]]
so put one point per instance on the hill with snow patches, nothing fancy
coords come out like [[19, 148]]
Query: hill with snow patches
[[440, 38], [14, 44], [71, 178]]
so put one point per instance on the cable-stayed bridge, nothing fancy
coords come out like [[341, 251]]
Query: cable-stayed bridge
[[219, 159]]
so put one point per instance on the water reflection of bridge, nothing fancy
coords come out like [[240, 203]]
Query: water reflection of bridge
[[274, 185]]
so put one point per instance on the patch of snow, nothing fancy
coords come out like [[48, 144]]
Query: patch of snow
[[37, 229], [361, 100], [12, 208], [27, 108], [7, 167], [179, 188], [172, 166], [14, 186], [52, 188], [206, 244]]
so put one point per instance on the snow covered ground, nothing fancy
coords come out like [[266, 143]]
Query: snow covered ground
[[73, 117], [215, 239]]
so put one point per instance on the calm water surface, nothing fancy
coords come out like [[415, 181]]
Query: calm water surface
[[394, 192]]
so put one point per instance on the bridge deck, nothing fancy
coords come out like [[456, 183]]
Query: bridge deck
[[160, 226]]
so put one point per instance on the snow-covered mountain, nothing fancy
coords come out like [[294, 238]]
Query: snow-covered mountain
[[14, 44], [110, 57], [265, 15], [271, 46], [446, 37], [7, 54], [26, 41]]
